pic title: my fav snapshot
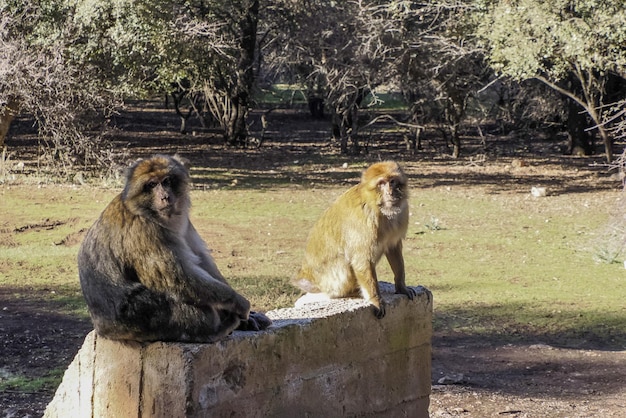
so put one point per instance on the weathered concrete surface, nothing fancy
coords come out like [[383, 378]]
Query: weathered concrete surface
[[332, 359]]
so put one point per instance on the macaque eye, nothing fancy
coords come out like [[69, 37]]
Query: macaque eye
[[166, 182], [149, 186]]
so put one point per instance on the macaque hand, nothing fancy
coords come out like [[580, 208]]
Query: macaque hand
[[379, 309], [257, 321], [241, 306], [408, 291]]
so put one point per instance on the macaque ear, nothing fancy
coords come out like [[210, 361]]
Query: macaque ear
[[183, 161], [130, 166]]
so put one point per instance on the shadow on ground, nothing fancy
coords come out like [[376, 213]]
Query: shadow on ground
[[471, 351], [298, 151], [36, 341]]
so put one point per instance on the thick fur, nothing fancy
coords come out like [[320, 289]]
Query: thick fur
[[344, 246], [145, 272]]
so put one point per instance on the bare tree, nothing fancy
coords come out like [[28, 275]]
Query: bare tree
[[37, 78], [441, 68], [343, 56], [228, 90], [212, 46]]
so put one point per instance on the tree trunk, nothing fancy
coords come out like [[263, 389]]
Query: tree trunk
[[236, 132], [579, 140], [354, 127], [7, 114], [236, 129], [346, 123], [344, 135], [455, 112], [608, 143], [604, 134], [346, 130], [590, 102], [341, 126], [316, 107], [456, 141]]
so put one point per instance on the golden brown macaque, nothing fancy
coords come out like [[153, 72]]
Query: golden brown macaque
[[344, 246], [145, 272]]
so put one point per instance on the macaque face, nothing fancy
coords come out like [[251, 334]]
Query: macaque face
[[390, 184], [159, 189], [163, 197], [392, 191]]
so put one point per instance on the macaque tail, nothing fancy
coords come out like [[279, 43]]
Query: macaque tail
[[306, 285]]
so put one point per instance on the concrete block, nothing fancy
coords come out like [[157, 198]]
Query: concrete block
[[319, 360]]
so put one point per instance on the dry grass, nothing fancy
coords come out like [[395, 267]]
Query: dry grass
[[497, 259]]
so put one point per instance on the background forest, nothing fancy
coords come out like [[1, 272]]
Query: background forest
[[498, 67]]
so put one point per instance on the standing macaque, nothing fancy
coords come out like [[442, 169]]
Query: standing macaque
[[146, 274], [346, 243]]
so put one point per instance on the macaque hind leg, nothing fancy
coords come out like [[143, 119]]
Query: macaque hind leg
[[370, 291], [203, 324], [396, 261], [145, 315]]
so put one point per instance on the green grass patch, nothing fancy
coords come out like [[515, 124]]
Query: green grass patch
[[508, 265], [29, 384], [294, 94], [505, 266]]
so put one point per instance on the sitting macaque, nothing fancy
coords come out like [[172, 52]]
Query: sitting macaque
[[346, 243], [146, 274]]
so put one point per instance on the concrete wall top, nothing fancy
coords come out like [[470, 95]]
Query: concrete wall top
[[319, 360]]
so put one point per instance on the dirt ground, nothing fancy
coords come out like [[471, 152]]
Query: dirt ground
[[471, 377], [492, 379]]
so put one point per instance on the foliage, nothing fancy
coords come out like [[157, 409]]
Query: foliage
[[68, 61], [38, 75], [145, 46], [530, 37], [574, 46], [86, 51]]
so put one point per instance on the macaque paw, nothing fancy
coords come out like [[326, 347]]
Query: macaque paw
[[241, 306], [379, 312], [408, 291], [256, 321]]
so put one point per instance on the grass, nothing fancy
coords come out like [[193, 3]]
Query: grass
[[510, 265], [501, 265], [27, 384], [281, 94]]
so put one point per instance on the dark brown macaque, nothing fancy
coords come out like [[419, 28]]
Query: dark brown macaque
[[146, 274]]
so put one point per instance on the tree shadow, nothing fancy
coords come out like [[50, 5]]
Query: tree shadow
[[512, 323], [40, 333], [298, 151], [478, 347]]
